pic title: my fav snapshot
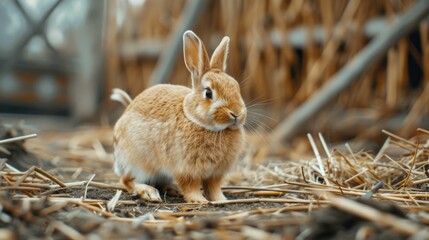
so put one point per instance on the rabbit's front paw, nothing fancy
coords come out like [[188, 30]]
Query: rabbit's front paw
[[147, 193], [218, 197], [212, 189]]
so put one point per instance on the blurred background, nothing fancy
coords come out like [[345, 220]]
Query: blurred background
[[60, 59]]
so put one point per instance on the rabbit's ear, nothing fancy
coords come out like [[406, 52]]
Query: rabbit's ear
[[196, 58], [220, 55]]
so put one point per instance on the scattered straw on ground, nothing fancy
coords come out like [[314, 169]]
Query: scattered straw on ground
[[81, 197]]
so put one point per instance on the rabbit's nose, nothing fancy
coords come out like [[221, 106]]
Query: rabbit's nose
[[234, 117]]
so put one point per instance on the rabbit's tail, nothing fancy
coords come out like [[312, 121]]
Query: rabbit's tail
[[121, 96]]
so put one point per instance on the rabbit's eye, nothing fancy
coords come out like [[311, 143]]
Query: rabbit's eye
[[208, 93]]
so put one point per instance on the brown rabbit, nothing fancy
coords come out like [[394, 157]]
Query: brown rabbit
[[172, 134]]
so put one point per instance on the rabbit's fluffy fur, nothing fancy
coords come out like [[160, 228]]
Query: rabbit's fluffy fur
[[173, 135]]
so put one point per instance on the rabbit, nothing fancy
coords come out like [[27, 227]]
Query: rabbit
[[172, 135]]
